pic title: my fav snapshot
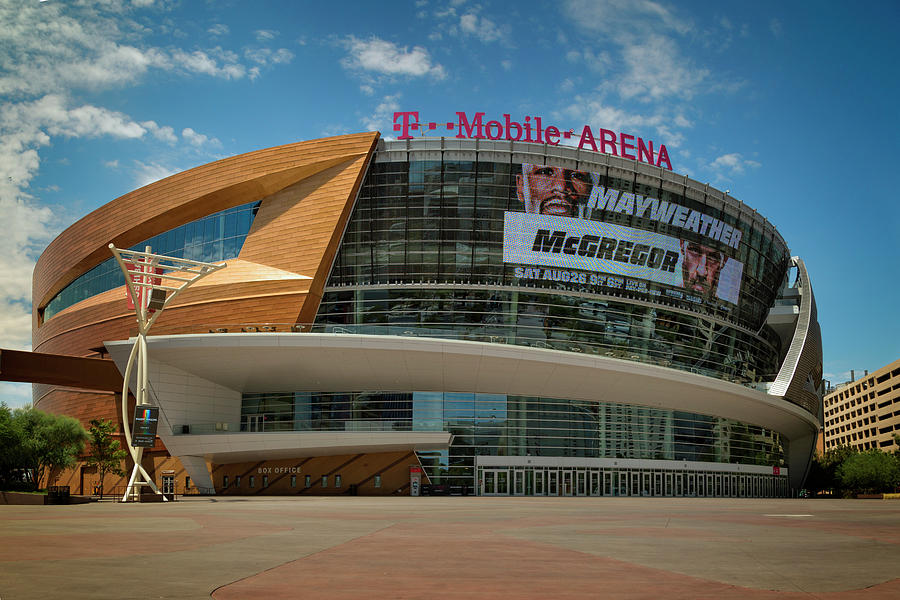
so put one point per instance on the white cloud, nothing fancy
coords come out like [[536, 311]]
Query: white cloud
[[111, 164], [381, 118], [219, 29], [506, 64], [629, 18], [198, 139], [164, 133], [381, 57], [15, 395], [732, 164], [147, 173], [265, 35], [480, 27], [51, 52], [776, 27], [655, 71], [265, 56], [199, 61]]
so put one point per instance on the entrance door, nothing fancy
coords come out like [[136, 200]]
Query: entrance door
[[595, 483], [488, 483], [679, 484], [503, 483], [568, 486], [254, 422], [552, 487], [657, 484], [168, 484], [519, 482], [668, 484], [581, 482], [635, 484], [539, 483], [608, 483]]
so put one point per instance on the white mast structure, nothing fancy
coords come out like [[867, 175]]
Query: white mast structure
[[152, 281]]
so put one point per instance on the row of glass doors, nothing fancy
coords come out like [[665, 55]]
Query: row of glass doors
[[564, 481]]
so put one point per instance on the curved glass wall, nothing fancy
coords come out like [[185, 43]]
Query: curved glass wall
[[500, 425], [217, 237], [427, 252]]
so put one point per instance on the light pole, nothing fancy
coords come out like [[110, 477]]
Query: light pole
[[152, 282]]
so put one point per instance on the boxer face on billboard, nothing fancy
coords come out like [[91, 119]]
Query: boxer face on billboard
[[553, 191], [700, 267]]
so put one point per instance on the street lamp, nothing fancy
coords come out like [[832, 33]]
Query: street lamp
[[152, 282]]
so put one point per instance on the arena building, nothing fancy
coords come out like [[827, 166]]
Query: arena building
[[502, 317]]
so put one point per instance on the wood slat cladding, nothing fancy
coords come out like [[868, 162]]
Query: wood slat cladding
[[184, 197], [307, 192], [312, 227], [289, 250], [272, 305], [82, 405]]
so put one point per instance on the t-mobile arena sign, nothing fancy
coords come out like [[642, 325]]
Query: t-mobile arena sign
[[533, 130]]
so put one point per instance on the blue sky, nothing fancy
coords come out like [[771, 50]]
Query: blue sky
[[790, 106]]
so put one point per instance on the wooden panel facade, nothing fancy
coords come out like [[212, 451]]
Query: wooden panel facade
[[184, 197], [306, 192]]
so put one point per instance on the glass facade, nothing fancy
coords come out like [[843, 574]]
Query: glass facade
[[424, 255], [427, 253], [500, 425], [217, 237]]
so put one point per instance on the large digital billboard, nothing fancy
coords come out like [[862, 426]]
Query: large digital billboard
[[566, 224]]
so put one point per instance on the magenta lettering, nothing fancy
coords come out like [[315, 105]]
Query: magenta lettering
[[626, 146], [550, 133], [466, 130], [403, 126], [532, 129], [587, 137], [645, 155], [509, 127], [663, 157], [608, 140], [491, 125]]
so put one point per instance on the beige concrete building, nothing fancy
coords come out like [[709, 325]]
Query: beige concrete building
[[865, 413]]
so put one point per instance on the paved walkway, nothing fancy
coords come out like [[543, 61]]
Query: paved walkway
[[231, 548]]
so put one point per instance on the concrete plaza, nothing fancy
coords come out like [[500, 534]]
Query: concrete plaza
[[453, 547]]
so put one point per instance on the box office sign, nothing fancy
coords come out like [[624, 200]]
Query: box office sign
[[143, 431]]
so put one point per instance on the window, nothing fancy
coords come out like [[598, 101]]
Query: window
[[265, 481], [187, 482], [307, 481], [252, 481], [225, 481], [378, 480], [293, 481], [324, 481], [237, 481], [337, 481]]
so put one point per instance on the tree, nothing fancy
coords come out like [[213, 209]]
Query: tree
[[870, 471], [823, 473], [50, 444], [105, 451], [11, 450]]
